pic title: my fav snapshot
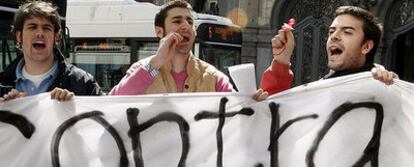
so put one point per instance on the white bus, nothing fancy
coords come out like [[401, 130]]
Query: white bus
[[107, 36]]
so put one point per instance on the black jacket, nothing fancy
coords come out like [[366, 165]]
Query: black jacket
[[69, 77], [333, 74]]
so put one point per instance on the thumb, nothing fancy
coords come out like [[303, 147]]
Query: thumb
[[288, 35], [290, 39]]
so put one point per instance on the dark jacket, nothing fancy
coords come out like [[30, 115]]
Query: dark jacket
[[69, 77], [333, 74]]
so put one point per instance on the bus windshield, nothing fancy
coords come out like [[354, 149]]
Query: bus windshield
[[220, 56]]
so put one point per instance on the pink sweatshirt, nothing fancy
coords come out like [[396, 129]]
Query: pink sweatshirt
[[137, 80]]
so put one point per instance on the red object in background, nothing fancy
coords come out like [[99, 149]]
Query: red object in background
[[291, 22]]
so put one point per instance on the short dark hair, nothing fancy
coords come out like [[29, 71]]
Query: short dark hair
[[162, 14], [371, 26], [36, 9]]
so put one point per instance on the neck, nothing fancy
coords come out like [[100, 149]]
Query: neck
[[37, 68], [179, 62], [365, 67]]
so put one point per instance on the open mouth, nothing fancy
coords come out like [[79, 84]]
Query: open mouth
[[39, 45], [335, 51], [185, 39]]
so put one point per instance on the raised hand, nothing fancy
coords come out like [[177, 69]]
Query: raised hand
[[283, 44], [166, 50]]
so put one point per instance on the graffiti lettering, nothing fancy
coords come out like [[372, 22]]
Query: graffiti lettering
[[136, 129], [371, 150], [221, 115], [96, 116], [20, 122]]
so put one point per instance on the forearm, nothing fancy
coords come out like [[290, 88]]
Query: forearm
[[135, 82], [277, 78]]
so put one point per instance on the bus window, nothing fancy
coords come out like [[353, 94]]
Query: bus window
[[106, 59], [7, 52], [7, 43], [146, 49], [219, 45], [220, 56], [219, 33]]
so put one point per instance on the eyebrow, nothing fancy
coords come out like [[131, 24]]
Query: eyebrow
[[34, 24], [344, 27], [181, 16]]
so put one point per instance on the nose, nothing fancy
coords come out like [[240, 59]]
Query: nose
[[40, 33], [335, 36], [186, 25]]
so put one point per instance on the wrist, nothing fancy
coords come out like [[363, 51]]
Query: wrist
[[281, 61], [150, 69], [277, 53], [155, 63]]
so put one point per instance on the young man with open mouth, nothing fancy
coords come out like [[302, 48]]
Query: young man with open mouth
[[353, 39], [41, 67]]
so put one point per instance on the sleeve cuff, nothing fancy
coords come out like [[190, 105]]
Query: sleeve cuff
[[153, 72]]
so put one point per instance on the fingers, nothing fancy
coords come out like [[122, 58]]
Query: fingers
[[61, 94], [290, 39], [13, 94], [384, 75], [263, 96], [57, 93], [279, 40], [283, 38], [166, 49], [170, 41], [260, 95], [283, 44], [173, 39]]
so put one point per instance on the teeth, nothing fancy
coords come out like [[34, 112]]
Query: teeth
[[39, 42], [335, 50]]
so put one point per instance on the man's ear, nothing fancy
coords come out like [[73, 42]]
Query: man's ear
[[18, 36], [159, 31], [57, 36], [367, 47]]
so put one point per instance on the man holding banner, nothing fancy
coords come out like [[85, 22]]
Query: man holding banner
[[42, 67], [353, 39]]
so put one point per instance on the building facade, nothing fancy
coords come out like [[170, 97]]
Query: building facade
[[264, 18], [396, 51]]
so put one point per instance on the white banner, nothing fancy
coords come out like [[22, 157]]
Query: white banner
[[349, 121]]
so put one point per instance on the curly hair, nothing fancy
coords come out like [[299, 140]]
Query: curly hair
[[36, 9]]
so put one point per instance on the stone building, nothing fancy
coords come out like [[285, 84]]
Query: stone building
[[396, 51]]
